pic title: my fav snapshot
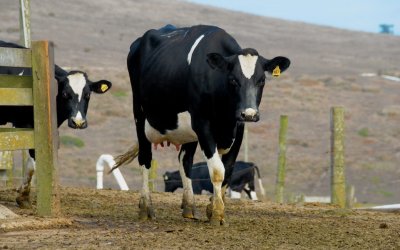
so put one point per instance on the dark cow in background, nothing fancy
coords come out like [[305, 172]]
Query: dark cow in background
[[74, 90], [192, 86], [242, 180]]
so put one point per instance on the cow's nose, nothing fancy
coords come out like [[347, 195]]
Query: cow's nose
[[79, 123], [250, 115]]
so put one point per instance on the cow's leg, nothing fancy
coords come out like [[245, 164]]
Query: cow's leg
[[230, 158], [215, 210], [23, 198], [145, 156], [185, 167], [251, 191], [146, 210]]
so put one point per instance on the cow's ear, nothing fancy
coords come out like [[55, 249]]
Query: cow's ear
[[277, 65], [100, 87], [218, 62]]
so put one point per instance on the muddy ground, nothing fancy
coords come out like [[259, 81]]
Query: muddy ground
[[108, 219]]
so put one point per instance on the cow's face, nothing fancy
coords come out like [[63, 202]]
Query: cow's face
[[73, 97], [245, 78]]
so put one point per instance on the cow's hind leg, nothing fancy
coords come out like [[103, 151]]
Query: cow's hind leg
[[185, 168], [145, 156], [146, 210], [23, 199]]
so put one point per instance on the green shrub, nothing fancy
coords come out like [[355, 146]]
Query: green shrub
[[120, 94], [71, 141], [364, 132]]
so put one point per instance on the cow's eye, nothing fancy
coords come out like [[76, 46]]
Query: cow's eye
[[234, 82], [87, 96], [261, 82], [65, 95]]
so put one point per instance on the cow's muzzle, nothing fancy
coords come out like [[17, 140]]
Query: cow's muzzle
[[249, 115], [77, 123]]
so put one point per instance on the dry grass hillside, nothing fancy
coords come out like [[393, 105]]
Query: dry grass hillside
[[95, 35]]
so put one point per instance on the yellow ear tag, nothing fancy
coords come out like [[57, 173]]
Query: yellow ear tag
[[276, 72], [104, 87]]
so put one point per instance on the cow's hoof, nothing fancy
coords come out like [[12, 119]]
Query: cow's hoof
[[190, 213], [146, 214], [146, 211], [23, 202], [217, 222], [209, 211]]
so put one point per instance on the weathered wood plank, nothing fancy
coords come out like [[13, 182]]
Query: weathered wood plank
[[15, 57], [16, 96], [25, 22], [46, 134], [16, 138], [10, 81]]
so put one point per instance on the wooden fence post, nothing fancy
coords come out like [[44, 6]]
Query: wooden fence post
[[338, 182], [25, 23], [46, 134], [280, 180], [6, 167], [153, 176]]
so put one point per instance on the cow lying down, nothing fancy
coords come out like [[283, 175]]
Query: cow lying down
[[242, 180]]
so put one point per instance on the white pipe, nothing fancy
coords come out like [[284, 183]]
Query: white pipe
[[392, 206], [109, 160]]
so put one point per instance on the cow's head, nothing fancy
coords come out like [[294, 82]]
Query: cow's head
[[74, 90], [245, 78], [172, 181]]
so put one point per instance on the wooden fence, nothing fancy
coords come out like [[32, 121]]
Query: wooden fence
[[39, 91]]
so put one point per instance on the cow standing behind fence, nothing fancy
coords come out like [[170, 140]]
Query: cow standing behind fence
[[74, 91]]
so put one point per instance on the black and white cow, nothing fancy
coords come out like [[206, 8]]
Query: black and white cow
[[74, 90], [242, 180], [195, 85]]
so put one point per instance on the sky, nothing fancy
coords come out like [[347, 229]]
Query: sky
[[360, 15]]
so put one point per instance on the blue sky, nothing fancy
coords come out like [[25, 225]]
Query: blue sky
[[361, 15]]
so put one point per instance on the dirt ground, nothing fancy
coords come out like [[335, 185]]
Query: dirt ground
[[326, 70], [107, 219]]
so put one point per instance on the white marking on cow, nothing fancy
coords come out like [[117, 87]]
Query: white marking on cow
[[181, 135], [78, 116], [145, 185], [248, 65], [77, 82], [253, 196], [235, 195], [249, 112], [22, 73], [188, 196], [189, 58], [216, 168]]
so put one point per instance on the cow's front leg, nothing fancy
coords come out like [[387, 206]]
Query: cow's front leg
[[146, 210], [23, 199], [215, 210], [185, 168]]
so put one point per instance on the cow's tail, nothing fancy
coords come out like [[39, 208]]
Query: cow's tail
[[262, 190], [126, 157]]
